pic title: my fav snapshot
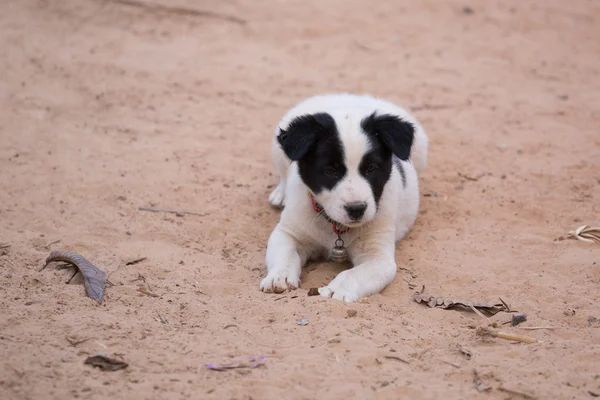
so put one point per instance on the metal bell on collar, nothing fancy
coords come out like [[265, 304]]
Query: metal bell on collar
[[339, 253]]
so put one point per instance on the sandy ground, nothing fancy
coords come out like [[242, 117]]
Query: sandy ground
[[107, 106]]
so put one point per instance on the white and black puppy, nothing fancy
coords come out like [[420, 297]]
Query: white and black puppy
[[348, 170]]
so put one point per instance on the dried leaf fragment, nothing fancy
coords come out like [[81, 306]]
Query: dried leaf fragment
[[105, 363], [447, 304], [586, 233], [237, 362], [93, 278]]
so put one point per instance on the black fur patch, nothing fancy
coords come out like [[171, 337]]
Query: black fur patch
[[395, 133], [376, 167], [302, 133], [389, 136], [314, 142]]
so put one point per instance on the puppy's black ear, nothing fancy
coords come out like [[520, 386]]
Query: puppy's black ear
[[393, 132], [303, 132]]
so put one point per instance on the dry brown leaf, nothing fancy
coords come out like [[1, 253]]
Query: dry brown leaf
[[441, 302], [93, 278], [105, 363]]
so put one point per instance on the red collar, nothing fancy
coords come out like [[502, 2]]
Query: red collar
[[319, 210]]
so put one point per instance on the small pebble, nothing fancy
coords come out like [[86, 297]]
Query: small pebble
[[351, 313], [302, 321], [518, 318]]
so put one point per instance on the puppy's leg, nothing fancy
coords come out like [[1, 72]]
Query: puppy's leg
[[284, 263], [281, 163], [375, 268]]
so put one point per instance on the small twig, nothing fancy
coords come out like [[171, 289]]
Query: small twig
[[145, 291], [179, 213], [162, 319], [75, 342], [397, 358], [471, 178], [517, 393], [133, 262], [449, 363], [480, 313], [142, 278], [508, 310], [4, 245], [72, 276], [178, 10], [139, 277], [51, 243], [487, 332], [118, 268]]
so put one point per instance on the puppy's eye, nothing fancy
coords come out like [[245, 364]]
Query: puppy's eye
[[331, 172], [371, 168]]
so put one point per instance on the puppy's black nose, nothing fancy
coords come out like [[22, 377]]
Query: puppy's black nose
[[356, 210]]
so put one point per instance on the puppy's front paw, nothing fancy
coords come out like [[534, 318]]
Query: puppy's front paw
[[344, 287], [277, 196], [280, 281]]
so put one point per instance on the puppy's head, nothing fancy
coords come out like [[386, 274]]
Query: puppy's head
[[346, 161]]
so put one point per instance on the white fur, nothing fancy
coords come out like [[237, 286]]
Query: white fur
[[302, 235]]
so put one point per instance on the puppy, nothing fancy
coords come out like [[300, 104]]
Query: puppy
[[348, 180]]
